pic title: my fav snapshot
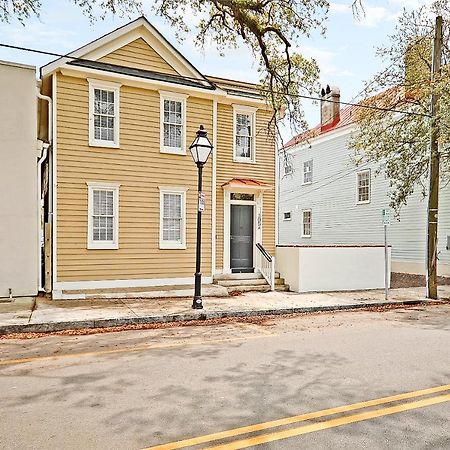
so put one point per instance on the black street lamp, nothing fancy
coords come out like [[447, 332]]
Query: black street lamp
[[200, 149]]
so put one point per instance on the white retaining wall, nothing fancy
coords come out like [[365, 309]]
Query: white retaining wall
[[332, 268]]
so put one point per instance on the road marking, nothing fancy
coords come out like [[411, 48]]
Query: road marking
[[129, 350], [299, 418], [262, 439]]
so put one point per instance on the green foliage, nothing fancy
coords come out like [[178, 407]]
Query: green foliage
[[399, 142]]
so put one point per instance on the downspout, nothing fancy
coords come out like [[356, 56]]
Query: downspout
[[214, 193], [39, 178]]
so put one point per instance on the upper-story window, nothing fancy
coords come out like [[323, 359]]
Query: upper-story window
[[244, 133], [363, 186], [173, 123], [307, 172], [103, 113]]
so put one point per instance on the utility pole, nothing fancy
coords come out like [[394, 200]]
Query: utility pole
[[433, 194]]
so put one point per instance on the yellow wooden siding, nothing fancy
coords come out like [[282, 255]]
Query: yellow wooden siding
[[140, 168], [139, 55], [262, 170]]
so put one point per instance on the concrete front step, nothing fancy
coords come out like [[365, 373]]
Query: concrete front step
[[248, 282]]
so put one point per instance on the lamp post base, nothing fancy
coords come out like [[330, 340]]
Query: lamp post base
[[197, 303]]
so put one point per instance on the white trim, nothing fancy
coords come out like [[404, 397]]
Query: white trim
[[139, 28], [103, 245], [250, 111], [310, 223], [105, 284], [363, 202], [290, 215], [172, 245], [174, 96], [54, 185], [110, 86], [214, 190]]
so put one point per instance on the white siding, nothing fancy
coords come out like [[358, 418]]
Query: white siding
[[336, 216]]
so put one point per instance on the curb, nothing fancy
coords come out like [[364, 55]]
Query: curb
[[49, 327]]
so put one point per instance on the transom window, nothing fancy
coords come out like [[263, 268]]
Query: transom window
[[244, 134], [363, 181], [172, 234], [104, 113], [103, 216], [307, 223], [173, 123], [307, 172]]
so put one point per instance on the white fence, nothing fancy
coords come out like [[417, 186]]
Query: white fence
[[332, 268]]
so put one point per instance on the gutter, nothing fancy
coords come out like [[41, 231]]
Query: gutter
[[40, 161]]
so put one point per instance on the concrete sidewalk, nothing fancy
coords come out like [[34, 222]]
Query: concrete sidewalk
[[44, 315]]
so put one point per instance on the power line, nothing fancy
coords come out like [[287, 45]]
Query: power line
[[302, 96]]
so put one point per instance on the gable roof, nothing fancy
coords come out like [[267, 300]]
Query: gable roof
[[139, 28], [346, 117]]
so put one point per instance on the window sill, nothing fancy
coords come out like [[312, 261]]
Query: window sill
[[363, 203], [173, 151], [104, 144], [306, 236], [102, 246], [244, 160], [171, 246], [307, 183]]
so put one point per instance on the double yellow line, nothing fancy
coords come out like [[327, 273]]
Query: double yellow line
[[317, 426]]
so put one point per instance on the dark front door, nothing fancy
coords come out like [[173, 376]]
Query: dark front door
[[241, 234]]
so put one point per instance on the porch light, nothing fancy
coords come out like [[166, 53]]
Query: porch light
[[200, 150], [201, 147]]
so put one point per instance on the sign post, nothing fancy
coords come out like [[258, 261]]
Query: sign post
[[386, 221]]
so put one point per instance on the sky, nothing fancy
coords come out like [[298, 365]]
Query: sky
[[346, 54]]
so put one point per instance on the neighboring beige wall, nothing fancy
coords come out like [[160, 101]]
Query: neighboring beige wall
[[140, 168], [262, 170], [18, 181]]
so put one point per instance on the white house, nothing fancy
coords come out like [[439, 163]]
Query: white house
[[326, 200]]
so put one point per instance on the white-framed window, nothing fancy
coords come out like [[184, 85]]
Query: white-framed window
[[307, 172], [172, 234], [103, 215], [104, 113], [173, 122], [363, 187], [287, 215], [306, 223], [244, 125]]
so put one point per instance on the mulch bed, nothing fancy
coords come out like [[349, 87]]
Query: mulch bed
[[407, 280]]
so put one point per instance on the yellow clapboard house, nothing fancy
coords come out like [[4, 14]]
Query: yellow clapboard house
[[123, 190]]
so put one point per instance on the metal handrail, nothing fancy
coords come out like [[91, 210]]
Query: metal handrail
[[264, 252]]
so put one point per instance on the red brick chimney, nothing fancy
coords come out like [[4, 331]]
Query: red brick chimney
[[329, 107]]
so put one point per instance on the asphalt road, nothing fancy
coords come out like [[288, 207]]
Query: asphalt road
[[139, 389]]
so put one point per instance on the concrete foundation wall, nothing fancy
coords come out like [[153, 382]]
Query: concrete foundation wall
[[345, 268], [18, 181]]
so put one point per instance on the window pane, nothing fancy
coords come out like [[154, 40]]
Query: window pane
[[103, 215]]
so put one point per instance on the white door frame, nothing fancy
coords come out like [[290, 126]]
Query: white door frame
[[257, 220]]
